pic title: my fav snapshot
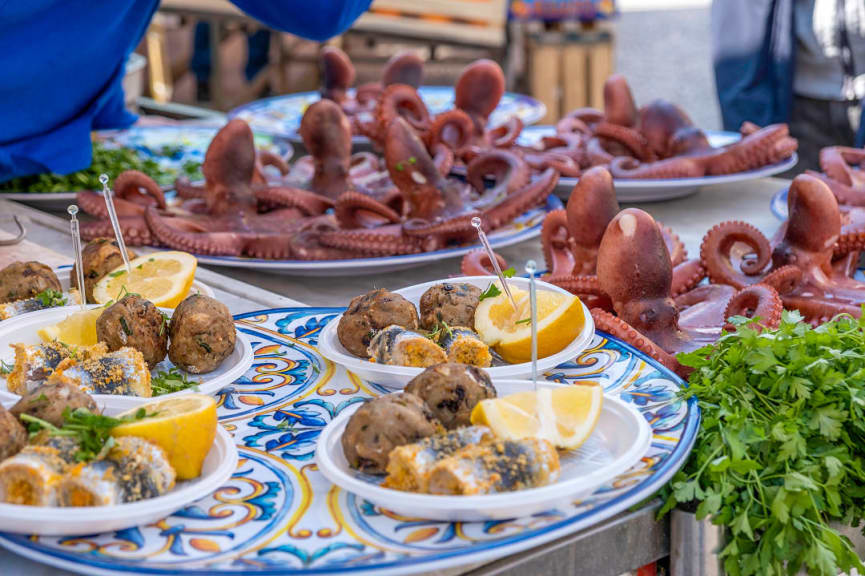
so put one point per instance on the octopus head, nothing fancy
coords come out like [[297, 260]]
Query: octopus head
[[326, 131], [403, 68], [659, 121], [337, 73], [814, 223], [619, 107], [229, 163], [591, 207], [479, 88]]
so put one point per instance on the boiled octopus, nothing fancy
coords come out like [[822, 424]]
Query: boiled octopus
[[844, 172], [635, 270], [338, 75], [808, 261], [658, 140]]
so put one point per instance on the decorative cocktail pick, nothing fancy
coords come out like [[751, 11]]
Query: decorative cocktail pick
[[112, 214], [531, 269], [476, 222], [79, 261]]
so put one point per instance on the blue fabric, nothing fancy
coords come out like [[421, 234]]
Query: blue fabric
[[62, 65]]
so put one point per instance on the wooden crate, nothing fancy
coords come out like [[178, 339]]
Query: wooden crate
[[470, 22], [567, 70]]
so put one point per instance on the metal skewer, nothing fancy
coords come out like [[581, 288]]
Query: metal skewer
[[112, 214], [531, 268], [476, 222], [79, 261]]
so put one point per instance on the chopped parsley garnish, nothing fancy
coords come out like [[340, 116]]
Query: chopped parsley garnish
[[6, 368], [524, 321], [204, 345], [399, 167], [163, 326], [50, 298], [442, 328], [172, 380], [412, 160], [509, 273], [126, 329], [118, 273], [91, 431], [491, 292]]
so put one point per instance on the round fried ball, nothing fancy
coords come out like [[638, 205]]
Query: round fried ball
[[202, 334], [381, 425], [369, 313], [451, 390], [99, 257], [135, 322], [13, 435], [22, 280], [49, 401], [453, 304]]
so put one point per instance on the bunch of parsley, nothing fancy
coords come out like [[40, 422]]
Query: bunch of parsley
[[781, 449]]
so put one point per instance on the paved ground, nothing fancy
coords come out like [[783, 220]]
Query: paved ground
[[665, 53]]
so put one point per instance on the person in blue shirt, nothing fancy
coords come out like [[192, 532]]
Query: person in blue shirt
[[795, 61], [62, 64]]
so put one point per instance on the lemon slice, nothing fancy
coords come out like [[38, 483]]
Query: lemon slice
[[183, 426], [77, 329], [508, 331], [164, 278], [563, 416]]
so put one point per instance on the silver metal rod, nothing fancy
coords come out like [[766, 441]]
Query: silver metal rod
[[79, 260], [115, 223], [476, 222]]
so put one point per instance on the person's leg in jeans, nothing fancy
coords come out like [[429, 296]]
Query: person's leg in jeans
[[258, 51], [200, 62], [818, 124]]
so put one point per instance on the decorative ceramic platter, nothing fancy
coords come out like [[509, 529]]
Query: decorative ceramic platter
[[281, 114], [620, 439], [24, 329], [279, 516], [397, 377], [663, 189], [525, 227], [778, 205], [171, 146]]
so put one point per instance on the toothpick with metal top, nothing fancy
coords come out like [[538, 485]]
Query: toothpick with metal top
[[476, 222], [79, 260], [112, 215], [531, 268]]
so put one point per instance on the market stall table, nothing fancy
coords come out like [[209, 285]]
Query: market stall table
[[597, 551]]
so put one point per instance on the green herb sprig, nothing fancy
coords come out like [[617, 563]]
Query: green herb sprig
[[492, 290], [441, 329], [172, 380], [6, 368], [49, 298], [91, 431], [781, 448]]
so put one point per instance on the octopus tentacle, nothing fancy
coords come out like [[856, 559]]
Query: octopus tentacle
[[686, 276], [189, 236], [94, 204], [267, 158], [506, 134], [574, 125], [509, 171], [715, 253], [403, 101], [675, 246], [309, 203], [381, 241], [784, 279], [443, 157], [139, 188], [356, 210], [757, 301], [618, 328], [619, 106], [766, 146], [134, 229], [558, 256], [677, 167], [522, 200], [477, 263], [627, 137], [454, 128]]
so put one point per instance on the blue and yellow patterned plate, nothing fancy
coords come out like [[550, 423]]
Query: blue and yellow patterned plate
[[177, 149], [279, 516], [281, 114], [778, 204]]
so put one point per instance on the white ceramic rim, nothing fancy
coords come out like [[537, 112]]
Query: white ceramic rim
[[330, 348], [329, 440]]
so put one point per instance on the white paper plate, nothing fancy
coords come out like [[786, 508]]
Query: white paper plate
[[220, 464], [621, 437], [398, 376], [23, 330], [652, 190]]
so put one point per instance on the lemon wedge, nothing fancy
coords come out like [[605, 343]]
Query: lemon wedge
[[508, 331], [183, 426], [164, 278], [563, 416], [77, 329]]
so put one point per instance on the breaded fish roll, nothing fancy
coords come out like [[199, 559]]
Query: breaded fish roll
[[464, 346], [35, 363], [31, 477], [122, 372], [397, 346]]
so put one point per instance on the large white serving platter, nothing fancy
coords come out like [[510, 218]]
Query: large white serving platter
[[23, 330], [620, 439], [281, 115], [654, 190], [525, 227], [398, 376], [219, 465]]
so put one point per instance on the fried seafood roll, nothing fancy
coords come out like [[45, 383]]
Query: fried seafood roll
[[397, 346], [409, 466], [134, 469], [497, 466], [35, 363], [19, 307], [31, 477], [143, 470], [463, 345], [120, 372]]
